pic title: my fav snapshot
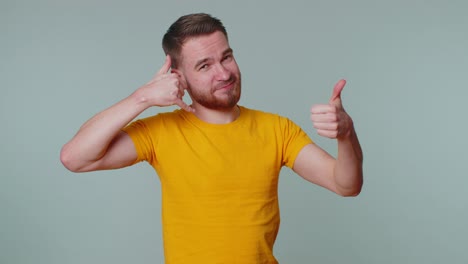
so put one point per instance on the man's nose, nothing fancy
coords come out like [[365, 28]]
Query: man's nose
[[222, 73]]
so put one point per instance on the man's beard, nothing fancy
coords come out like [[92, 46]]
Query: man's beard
[[210, 100]]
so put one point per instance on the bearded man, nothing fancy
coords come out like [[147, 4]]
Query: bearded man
[[218, 162]]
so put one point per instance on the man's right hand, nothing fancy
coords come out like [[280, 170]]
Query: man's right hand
[[101, 144], [165, 89]]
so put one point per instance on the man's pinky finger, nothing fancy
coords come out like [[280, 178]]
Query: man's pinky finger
[[327, 133], [184, 106]]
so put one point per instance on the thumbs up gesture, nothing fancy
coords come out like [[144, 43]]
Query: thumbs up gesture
[[331, 120]]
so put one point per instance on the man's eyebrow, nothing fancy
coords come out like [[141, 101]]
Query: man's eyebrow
[[204, 60], [228, 51], [200, 62]]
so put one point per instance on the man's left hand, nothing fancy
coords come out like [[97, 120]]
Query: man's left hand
[[331, 120]]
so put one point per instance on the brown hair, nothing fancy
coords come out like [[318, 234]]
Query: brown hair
[[186, 27]]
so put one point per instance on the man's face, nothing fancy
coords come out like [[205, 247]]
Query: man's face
[[210, 72]]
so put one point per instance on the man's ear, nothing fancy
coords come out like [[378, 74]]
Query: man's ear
[[182, 80]]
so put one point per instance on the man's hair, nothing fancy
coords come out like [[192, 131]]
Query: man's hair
[[186, 27]]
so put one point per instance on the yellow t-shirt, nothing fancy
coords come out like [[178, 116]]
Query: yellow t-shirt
[[218, 182]]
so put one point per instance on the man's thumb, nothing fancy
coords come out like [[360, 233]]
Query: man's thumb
[[336, 95]]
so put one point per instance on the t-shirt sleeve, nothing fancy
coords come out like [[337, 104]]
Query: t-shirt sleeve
[[294, 139], [144, 138]]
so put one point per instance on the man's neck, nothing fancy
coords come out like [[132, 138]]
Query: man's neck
[[213, 116]]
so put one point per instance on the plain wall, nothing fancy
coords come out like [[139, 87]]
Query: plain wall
[[406, 64]]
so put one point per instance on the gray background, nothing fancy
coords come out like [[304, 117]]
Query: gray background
[[406, 64]]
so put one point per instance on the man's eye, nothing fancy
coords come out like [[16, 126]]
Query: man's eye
[[203, 67]]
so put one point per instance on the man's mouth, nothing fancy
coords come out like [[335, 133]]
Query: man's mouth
[[225, 86]]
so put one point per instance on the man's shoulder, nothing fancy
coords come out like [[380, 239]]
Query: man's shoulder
[[269, 120]]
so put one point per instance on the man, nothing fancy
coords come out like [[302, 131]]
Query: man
[[218, 162]]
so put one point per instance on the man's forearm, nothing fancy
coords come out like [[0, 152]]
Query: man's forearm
[[93, 138], [348, 168]]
